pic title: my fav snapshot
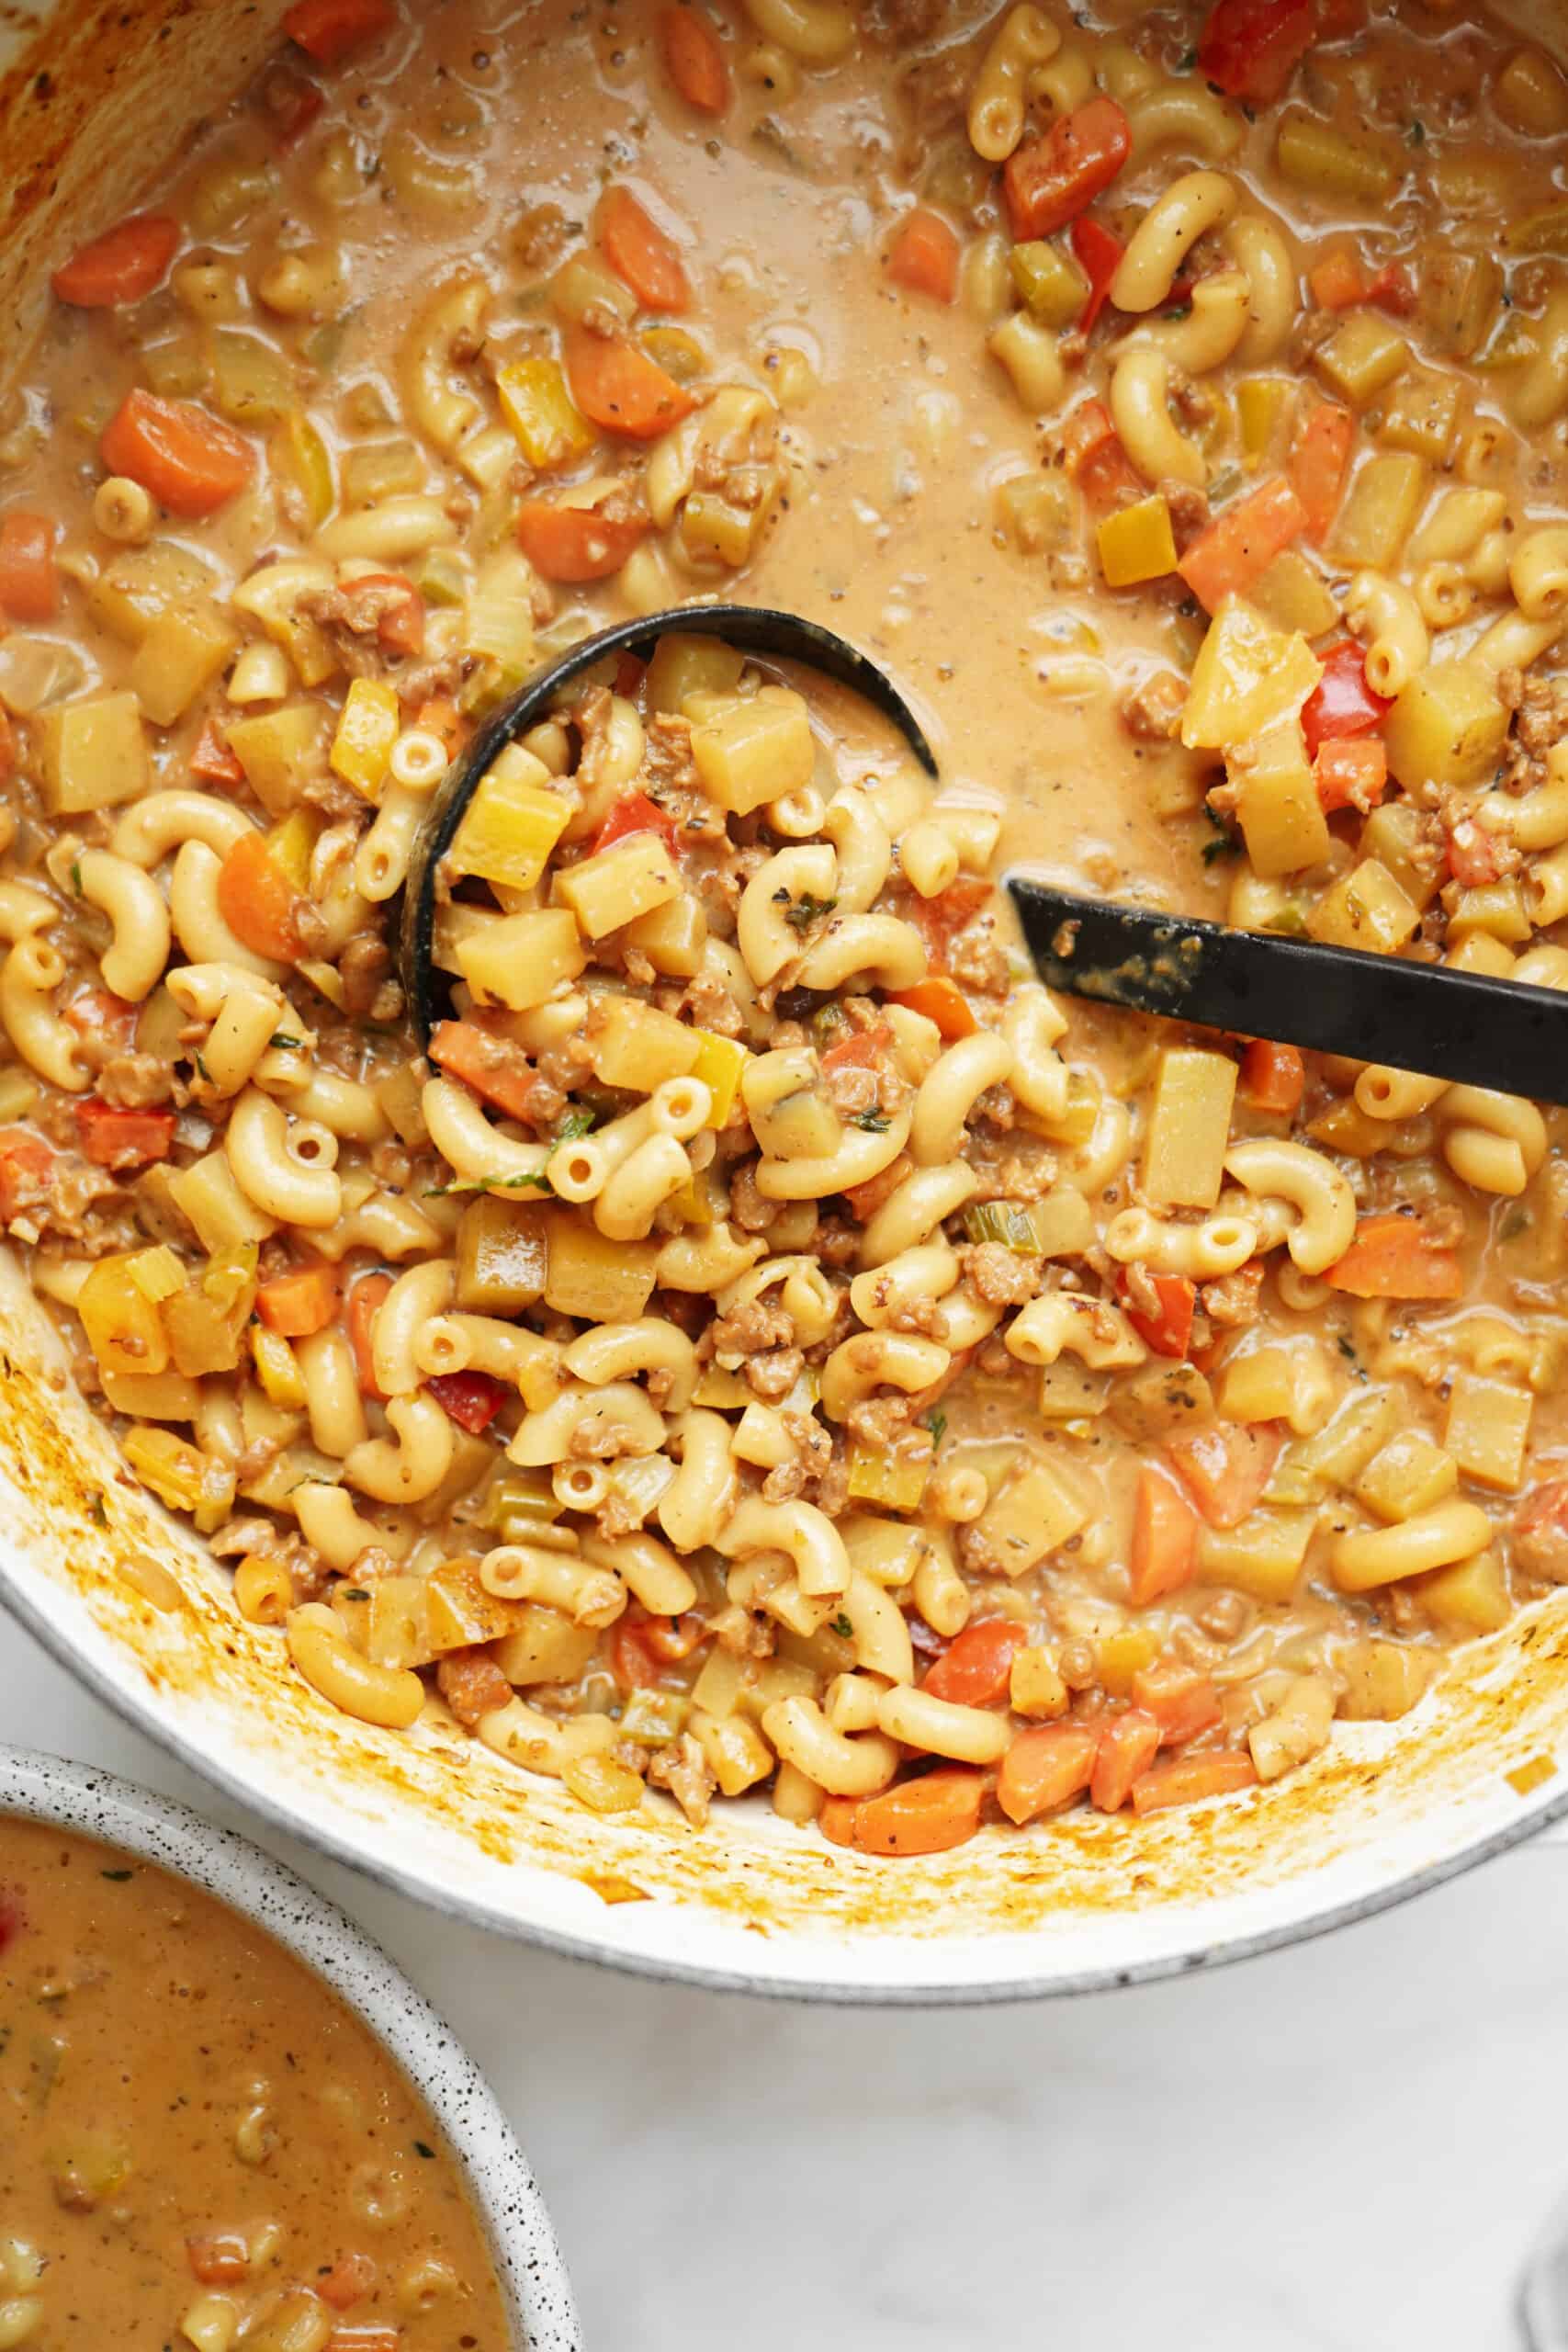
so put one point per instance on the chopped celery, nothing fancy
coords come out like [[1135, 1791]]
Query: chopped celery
[[1005, 1222], [519, 1503], [439, 576], [654, 1715], [1052, 288]]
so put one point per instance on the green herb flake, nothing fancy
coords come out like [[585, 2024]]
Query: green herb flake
[[872, 1122], [421, 2149], [284, 1042], [117, 1878], [807, 910], [1416, 134], [842, 1627], [1187, 60], [936, 1422], [99, 1510], [76, 875]]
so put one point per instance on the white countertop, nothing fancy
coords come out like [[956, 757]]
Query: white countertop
[[1344, 2148]]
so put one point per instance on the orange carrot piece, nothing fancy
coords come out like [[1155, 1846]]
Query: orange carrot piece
[[114, 1137], [1318, 464], [862, 1050], [1128, 1746], [1183, 1701], [1352, 773], [619, 388], [923, 255], [925, 1817], [1273, 1077], [1165, 1539], [1394, 1256], [576, 543], [1241, 543], [1049, 181], [640, 253], [25, 1161], [30, 579], [302, 1303], [258, 901], [976, 1668], [695, 60], [192, 463], [1226, 1466], [1188, 1780], [212, 762], [443, 718], [1044, 1768], [942, 1001], [121, 266], [348, 2281], [1337, 280], [219, 2259], [494, 1066], [837, 1820], [864, 1200], [328, 30], [364, 1300]]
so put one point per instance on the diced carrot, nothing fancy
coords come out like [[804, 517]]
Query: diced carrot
[[1241, 543], [1341, 705], [1476, 856], [617, 386], [576, 543], [219, 2259], [1394, 1256], [1094, 457], [1183, 1701], [923, 255], [291, 102], [212, 762], [364, 1300], [191, 462], [1226, 1466], [7, 747], [30, 579], [400, 615], [472, 1400], [1100, 257], [1251, 48], [328, 30], [974, 1669], [640, 253], [472, 1685], [25, 1164], [442, 717], [862, 1049], [1337, 280], [493, 1066], [837, 1820], [116, 1139], [107, 1019], [1318, 462], [634, 812], [942, 1001], [1128, 1746], [929, 1816], [939, 920], [298, 1304], [1273, 1077], [1049, 181], [1188, 1780], [695, 60], [348, 2281], [1165, 1539], [1353, 773], [121, 266], [643, 1647], [864, 1200], [1168, 1331], [258, 901], [1044, 1768]]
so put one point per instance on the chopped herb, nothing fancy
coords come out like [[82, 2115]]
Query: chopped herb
[[574, 1124], [842, 1627], [427, 2152], [76, 875], [355, 1593], [202, 1069], [806, 910], [1222, 843], [117, 1878], [872, 1122], [1346, 1348], [284, 1042], [100, 1511], [1187, 60], [937, 1423], [1416, 134], [1178, 311], [1516, 1222]]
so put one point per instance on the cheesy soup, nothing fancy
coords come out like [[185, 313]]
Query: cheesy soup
[[764, 1342]]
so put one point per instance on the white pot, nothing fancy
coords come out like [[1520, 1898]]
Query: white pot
[[745, 1903], [501, 2187]]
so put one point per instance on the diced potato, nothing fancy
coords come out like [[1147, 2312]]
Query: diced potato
[[1119, 1656], [636, 1046], [543, 1647], [1460, 297], [1447, 727], [1531, 94], [1488, 1429], [1247, 676], [300, 457], [512, 822], [1277, 808], [1148, 1405], [151, 1395], [181, 654], [735, 1752], [755, 749], [1393, 834], [124, 1327], [1382, 1680], [1069, 1391], [519, 960], [617, 884], [279, 751], [131, 592], [502, 1255], [368, 724], [1189, 1129], [1363, 167], [1361, 358], [1406, 1475], [1035, 511], [181, 1476], [1288, 1380], [1472, 1597], [1339, 1454], [1293, 597], [459, 1612], [93, 754], [596, 1280], [251, 381], [1380, 512], [1423, 415], [1035, 1688], [691, 665], [1262, 1557], [1136, 543], [1495, 909], [1033, 1514], [673, 936], [1365, 908]]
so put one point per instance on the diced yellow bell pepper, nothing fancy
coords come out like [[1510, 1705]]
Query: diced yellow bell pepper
[[180, 1476], [292, 845], [1247, 676], [1136, 543], [366, 731], [512, 823], [279, 1374], [301, 456], [1261, 402], [551, 430], [719, 1063]]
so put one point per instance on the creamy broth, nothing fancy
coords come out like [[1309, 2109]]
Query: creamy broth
[[1217, 1395], [200, 2146]]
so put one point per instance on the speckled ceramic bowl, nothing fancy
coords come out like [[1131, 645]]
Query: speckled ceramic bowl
[[504, 2193]]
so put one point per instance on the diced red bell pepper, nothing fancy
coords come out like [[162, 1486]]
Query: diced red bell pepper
[[116, 1138], [1251, 48], [1169, 1332], [1342, 704], [635, 813], [472, 1400]]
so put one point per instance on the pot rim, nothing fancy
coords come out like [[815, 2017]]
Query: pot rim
[[35, 1785], [828, 1990]]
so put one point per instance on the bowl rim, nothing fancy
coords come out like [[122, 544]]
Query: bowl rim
[[61, 1792], [138, 1709]]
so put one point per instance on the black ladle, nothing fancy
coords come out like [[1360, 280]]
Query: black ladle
[[751, 628]]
